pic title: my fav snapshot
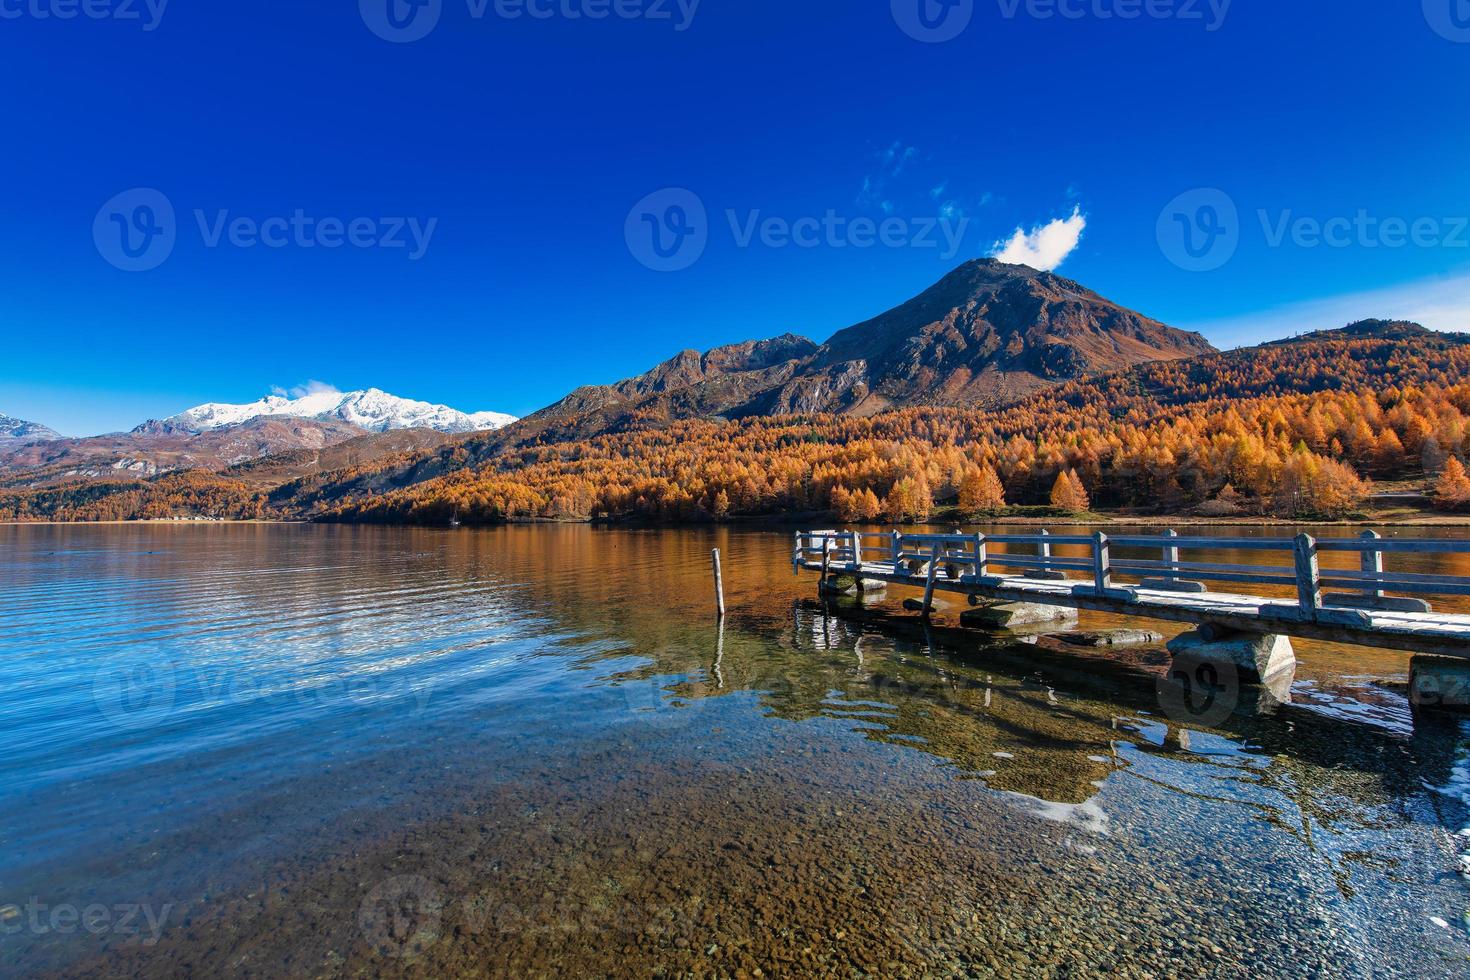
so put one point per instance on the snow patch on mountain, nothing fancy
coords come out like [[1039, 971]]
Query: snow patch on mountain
[[20, 431], [374, 410]]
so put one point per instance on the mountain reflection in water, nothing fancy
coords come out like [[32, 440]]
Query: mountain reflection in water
[[554, 761]]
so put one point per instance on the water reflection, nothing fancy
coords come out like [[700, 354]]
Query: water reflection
[[539, 750]]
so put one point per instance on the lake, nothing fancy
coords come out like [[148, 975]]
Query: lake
[[289, 750]]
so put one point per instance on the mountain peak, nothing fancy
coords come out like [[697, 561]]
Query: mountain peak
[[19, 431], [986, 332], [371, 408]]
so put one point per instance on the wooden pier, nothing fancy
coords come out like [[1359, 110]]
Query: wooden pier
[[1367, 605]]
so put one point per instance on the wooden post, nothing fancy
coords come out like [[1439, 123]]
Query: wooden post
[[1171, 557], [1102, 562], [1308, 576], [797, 556], [1372, 565], [719, 585], [857, 552], [934, 554], [1043, 551], [982, 557], [897, 553], [826, 563]]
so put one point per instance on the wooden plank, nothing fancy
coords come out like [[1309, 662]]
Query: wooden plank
[[1308, 575], [1102, 571]]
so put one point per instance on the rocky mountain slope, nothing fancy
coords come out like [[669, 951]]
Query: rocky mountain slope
[[149, 451], [294, 432], [19, 432], [986, 334]]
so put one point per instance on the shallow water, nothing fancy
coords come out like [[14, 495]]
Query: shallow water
[[299, 750]]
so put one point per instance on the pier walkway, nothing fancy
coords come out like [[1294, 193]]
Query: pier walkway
[[1159, 577]]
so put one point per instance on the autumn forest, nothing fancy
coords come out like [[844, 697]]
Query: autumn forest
[[1298, 430]]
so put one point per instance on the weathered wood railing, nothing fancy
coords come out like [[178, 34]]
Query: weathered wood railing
[[975, 559]]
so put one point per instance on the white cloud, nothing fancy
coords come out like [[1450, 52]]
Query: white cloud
[[1442, 303], [310, 388], [1044, 247]]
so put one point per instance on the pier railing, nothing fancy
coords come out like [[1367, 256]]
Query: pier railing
[[1294, 564]]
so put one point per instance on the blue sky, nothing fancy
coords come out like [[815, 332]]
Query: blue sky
[[518, 147]]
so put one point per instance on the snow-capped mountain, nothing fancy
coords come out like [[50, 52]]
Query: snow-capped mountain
[[18, 431], [374, 410]]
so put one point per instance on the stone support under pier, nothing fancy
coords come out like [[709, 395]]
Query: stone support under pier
[[1258, 658], [1009, 615], [1439, 684]]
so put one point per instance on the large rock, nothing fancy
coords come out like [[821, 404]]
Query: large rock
[[849, 585], [1112, 638], [1009, 615], [1259, 658], [1439, 683]]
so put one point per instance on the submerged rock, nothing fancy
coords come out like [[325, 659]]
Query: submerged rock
[[1112, 638], [1006, 615]]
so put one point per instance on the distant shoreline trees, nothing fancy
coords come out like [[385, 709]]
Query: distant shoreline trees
[[1295, 431]]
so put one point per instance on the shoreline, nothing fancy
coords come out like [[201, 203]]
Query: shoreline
[[1417, 519]]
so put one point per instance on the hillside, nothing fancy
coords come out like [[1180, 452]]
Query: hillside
[[1293, 427], [1283, 429], [154, 449], [985, 334], [18, 432]]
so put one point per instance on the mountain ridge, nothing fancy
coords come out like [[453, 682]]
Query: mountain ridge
[[370, 409], [986, 333], [15, 432]]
